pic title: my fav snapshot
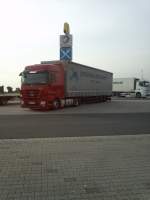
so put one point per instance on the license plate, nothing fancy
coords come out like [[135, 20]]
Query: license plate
[[31, 102]]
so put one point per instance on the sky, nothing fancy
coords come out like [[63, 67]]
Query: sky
[[113, 35]]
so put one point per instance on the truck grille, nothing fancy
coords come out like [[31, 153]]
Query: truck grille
[[31, 93]]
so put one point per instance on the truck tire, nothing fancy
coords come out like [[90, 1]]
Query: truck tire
[[75, 102], [3, 102], [56, 104], [138, 95]]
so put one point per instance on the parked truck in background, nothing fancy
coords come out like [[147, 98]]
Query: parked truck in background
[[7, 96], [56, 84], [131, 86]]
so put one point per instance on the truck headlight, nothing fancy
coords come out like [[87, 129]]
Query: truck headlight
[[22, 102], [43, 103]]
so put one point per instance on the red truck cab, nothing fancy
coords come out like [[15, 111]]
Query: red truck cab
[[42, 86]]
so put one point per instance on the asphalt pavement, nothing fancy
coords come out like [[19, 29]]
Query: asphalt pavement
[[119, 117], [115, 106], [41, 126]]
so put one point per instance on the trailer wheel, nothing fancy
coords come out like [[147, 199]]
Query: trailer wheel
[[138, 95], [75, 102], [56, 104], [3, 102]]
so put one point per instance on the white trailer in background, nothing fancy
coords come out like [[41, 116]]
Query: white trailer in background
[[131, 86]]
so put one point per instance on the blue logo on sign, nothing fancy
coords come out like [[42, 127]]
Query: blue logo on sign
[[66, 53]]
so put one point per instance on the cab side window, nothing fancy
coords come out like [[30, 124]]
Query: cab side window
[[142, 83]]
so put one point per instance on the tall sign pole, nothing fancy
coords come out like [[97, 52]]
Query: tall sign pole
[[66, 44]]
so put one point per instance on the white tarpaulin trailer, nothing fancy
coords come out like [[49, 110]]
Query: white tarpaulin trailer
[[81, 80]]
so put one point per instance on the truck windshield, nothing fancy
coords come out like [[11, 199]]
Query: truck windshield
[[144, 83], [35, 77]]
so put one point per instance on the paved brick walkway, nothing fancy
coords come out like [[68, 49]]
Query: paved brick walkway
[[87, 168]]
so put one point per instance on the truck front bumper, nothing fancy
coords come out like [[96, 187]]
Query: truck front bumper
[[42, 104]]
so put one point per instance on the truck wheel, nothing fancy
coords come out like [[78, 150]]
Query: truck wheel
[[138, 95], [56, 104], [5, 102]]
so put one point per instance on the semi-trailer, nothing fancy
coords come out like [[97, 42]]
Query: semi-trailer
[[56, 84], [131, 86]]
